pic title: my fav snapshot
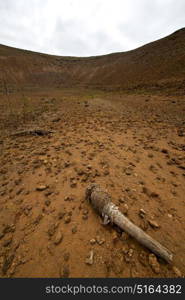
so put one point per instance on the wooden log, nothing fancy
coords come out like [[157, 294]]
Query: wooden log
[[101, 202], [34, 132]]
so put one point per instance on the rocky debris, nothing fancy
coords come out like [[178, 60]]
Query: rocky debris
[[106, 172], [52, 229], [74, 229], [84, 217], [100, 241], [64, 271], [150, 193], [66, 154], [92, 241], [49, 191], [121, 200], [128, 255], [61, 214], [142, 213], [177, 271], [37, 219], [128, 171], [7, 263], [80, 171], [144, 224], [143, 258], [58, 238], [6, 228], [41, 187], [67, 219], [115, 237], [90, 259], [181, 132], [47, 202], [153, 262], [69, 198], [73, 183], [7, 241], [124, 209], [67, 164], [164, 150], [153, 223], [85, 212], [66, 256], [57, 119]]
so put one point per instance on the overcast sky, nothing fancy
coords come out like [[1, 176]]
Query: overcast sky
[[87, 27]]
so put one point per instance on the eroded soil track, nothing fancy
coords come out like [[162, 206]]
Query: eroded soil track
[[133, 145]]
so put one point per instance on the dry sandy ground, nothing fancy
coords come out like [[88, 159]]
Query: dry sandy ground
[[133, 146]]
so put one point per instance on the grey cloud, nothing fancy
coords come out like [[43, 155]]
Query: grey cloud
[[156, 20], [70, 41], [31, 25]]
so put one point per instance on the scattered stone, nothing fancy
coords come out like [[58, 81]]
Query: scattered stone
[[67, 164], [7, 263], [67, 219], [92, 241], [58, 238], [124, 249], [142, 213], [130, 252], [41, 187], [47, 202], [49, 192], [165, 151], [38, 219], [128, 172], [74, 229], [153, 262], [51, 230], [100, 240], [127, 258], [68, 198], [57, 119], [79, 171], [114, 237], [124, 237], [121, 200], [66, 256], [7, 242], [153, 224], [170, 216], [177, 271], [143, 258], [64, 271], [125, 209], [144, 224], [61, 214], [73, 184], [116, 267], [106, 172], [149, 193], [85, 212], [90, 258]]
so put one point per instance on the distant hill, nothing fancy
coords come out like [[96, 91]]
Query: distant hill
[[157, 64]]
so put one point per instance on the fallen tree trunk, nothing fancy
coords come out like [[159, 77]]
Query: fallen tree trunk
[[39, 132], [101, 201]]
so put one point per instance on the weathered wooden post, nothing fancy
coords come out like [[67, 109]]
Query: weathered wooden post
[[101, 202]]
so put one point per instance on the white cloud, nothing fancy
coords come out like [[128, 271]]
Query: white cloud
[[87, 27]]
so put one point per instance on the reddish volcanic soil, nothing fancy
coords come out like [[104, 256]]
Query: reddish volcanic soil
[[131, 142]]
